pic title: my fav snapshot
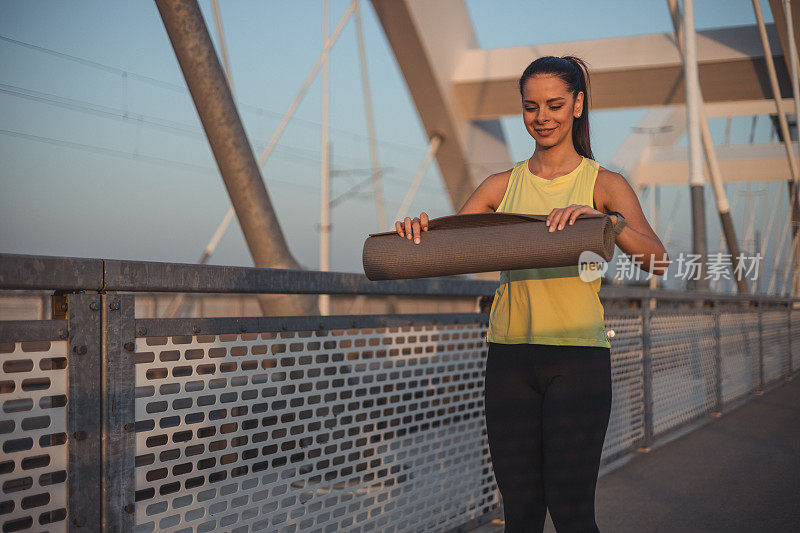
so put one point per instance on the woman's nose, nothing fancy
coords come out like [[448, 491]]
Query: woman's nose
[[541, 116]]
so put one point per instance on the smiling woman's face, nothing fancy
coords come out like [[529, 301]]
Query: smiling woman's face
[[548, 109]]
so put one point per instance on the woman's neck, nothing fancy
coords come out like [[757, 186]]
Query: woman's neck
[[554, 160]]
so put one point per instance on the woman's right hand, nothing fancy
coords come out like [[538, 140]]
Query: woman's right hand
[[412, 228]]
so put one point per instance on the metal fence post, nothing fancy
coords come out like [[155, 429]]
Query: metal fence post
[[717, 362], [791, 334], [119, 437], [100, 419], [84, 412], [787, 363], [647, 374], [760, 349]]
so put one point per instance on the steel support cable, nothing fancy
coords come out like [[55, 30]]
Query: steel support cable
[[309, 78], [784, 130], [433, 147], [89, 108], [695, 98], [779, 256], [793, 67], [182, 89], [373, 148]]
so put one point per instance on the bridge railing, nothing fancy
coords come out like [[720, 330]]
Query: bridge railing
[[314, 423]]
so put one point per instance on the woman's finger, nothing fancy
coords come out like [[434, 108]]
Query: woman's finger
[[415, 228], [398, 226], [408, 227], [579, 210], [566, 215], [423, 217], [555, 217], [549, 220], [563, 216]]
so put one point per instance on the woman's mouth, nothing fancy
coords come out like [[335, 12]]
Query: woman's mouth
[[544, 132]]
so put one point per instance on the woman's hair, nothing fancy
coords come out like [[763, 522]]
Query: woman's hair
[[573, 71]]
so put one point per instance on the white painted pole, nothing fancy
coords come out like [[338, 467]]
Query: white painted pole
[[696, 179], [222, 46], [373, 142], [671, 219], [325, 188], [723, 208], [722, 234], [775, 209], [768, 231], [654, 218], [789, 267], [793, 69], [692, 83], [793, 60], [750, 212], [433, 146], [780, 247], [776, 92], [293, 107]]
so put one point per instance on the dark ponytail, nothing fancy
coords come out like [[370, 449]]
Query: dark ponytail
[[573, 71]]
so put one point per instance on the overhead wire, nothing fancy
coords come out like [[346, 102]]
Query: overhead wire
[[156, 160], [173, 126], [182, 89], [285, 152]]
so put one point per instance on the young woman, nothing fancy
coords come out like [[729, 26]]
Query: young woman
[[547, 391]]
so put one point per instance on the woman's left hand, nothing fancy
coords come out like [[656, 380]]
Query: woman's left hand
[[561, 216]]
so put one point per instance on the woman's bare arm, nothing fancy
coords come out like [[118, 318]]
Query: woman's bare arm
[[488, 195], [637, 238], [484, 199]]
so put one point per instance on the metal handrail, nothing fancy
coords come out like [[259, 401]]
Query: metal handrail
[[28, 272]]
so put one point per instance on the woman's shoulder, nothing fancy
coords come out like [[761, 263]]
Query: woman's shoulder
[[609, 177], [608, 183], [502, 175], [498, 182]]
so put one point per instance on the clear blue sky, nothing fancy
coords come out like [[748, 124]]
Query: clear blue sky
[[112, 162]]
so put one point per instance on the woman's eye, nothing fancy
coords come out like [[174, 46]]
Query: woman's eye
[[556, 107], [529, 109]]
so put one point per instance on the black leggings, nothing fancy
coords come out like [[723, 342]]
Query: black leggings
[[547, 411]]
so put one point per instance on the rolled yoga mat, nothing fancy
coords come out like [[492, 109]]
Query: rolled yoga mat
[[486, 242]]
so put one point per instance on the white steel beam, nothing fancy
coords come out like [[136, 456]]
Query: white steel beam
[[663, 126], [777, 7], [635, 71], [738, 162], [429, 39]]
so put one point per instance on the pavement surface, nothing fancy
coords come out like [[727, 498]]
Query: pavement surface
[[739, 472]]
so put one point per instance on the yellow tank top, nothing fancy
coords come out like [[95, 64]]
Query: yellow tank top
[[547, 305]]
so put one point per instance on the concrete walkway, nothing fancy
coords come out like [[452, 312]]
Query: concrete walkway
[[739, 472], [736, 473]]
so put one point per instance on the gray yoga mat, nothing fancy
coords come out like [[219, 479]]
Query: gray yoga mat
[[486, 242]]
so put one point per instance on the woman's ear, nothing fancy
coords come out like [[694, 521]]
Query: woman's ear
[[577, 109]]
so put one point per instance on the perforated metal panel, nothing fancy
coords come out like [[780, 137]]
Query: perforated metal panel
[[682, 349], [739, 352], [33, 467], [774, 343], [795, 340], [626, 422], [341, 430], [378, 429]]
